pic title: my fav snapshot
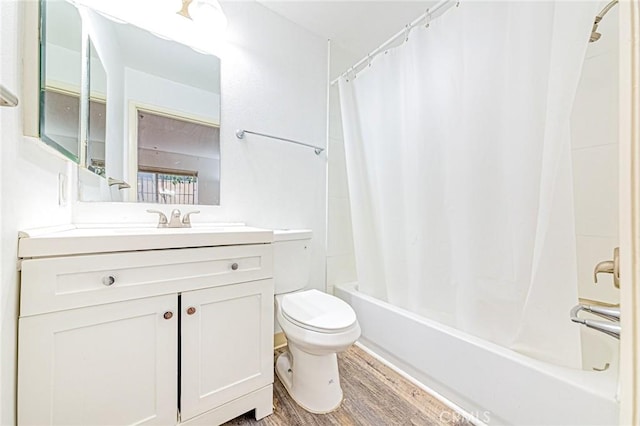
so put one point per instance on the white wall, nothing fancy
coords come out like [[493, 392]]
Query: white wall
[[28, 197], [594, 131], [273, 80]]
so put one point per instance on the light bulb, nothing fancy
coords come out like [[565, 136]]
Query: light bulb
[[209, 17]]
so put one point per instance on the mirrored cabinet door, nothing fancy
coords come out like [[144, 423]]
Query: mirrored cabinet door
[[60, 77], [96, 137]]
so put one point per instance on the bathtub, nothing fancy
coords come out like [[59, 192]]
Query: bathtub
[[492, 384]]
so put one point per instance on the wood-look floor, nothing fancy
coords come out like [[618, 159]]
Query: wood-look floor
[[373, 395]]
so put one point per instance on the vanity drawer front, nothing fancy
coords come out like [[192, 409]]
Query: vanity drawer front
[[55, 284]]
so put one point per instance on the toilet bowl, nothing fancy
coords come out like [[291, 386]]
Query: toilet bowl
[[317, 326]]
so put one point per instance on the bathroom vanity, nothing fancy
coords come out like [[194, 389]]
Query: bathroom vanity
[[145, 326]]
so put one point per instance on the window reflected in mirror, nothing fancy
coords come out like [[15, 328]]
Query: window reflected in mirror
[[178, 159]]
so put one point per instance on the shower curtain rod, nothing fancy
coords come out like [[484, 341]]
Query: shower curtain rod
[[430, 14]]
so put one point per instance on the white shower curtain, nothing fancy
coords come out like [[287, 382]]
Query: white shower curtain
[[459, 170]]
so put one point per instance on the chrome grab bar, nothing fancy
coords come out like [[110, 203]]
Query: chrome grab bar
[[606, 312], [606, 327]]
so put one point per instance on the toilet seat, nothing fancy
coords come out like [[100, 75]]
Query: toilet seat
[[317, 311]]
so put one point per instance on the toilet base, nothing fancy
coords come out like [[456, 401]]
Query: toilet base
[[312, 381]]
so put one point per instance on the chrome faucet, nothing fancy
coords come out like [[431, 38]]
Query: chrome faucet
[[175, 221]]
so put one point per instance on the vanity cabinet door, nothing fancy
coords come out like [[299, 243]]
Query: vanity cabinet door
[[227, 344], [112, 364]]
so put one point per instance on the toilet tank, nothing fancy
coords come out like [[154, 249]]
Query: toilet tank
[[291, 259]]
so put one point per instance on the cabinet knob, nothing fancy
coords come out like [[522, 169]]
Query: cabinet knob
[[191, 310], [108, 280], [234, 266], [168, 315]]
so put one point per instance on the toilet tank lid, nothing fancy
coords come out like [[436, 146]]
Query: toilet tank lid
[[292, 234]]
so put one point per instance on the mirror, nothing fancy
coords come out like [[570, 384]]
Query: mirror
[[60, 77], [177, 163], [153, 116], [96, 136]]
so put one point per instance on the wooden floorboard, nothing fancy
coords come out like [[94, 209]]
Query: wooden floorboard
[[374, 394]]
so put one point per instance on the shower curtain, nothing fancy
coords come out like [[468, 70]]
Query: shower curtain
[[459, 172]]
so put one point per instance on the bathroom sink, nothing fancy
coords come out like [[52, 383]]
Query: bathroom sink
[[76, 239]]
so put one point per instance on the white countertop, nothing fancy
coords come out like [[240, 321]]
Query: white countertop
[[85, 239]]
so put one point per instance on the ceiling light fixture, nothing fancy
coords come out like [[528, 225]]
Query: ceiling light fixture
[[185, 9], [205, 13], [203, 29]]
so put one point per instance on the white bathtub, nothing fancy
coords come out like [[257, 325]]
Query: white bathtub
[[492, 383]]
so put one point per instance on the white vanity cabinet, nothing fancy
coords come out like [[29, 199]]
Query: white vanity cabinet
[[160, 336], [240, 357], [110, 364]]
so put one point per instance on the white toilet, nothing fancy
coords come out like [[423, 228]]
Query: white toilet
[[316, 324]]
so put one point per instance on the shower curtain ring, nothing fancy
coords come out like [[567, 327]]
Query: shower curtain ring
[[428, 20], [350, 74]]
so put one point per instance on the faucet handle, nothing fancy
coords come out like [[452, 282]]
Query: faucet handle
[[186, 220], [609, 267], [616, 267], [121, 184], [162, 219], [606, 266]]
